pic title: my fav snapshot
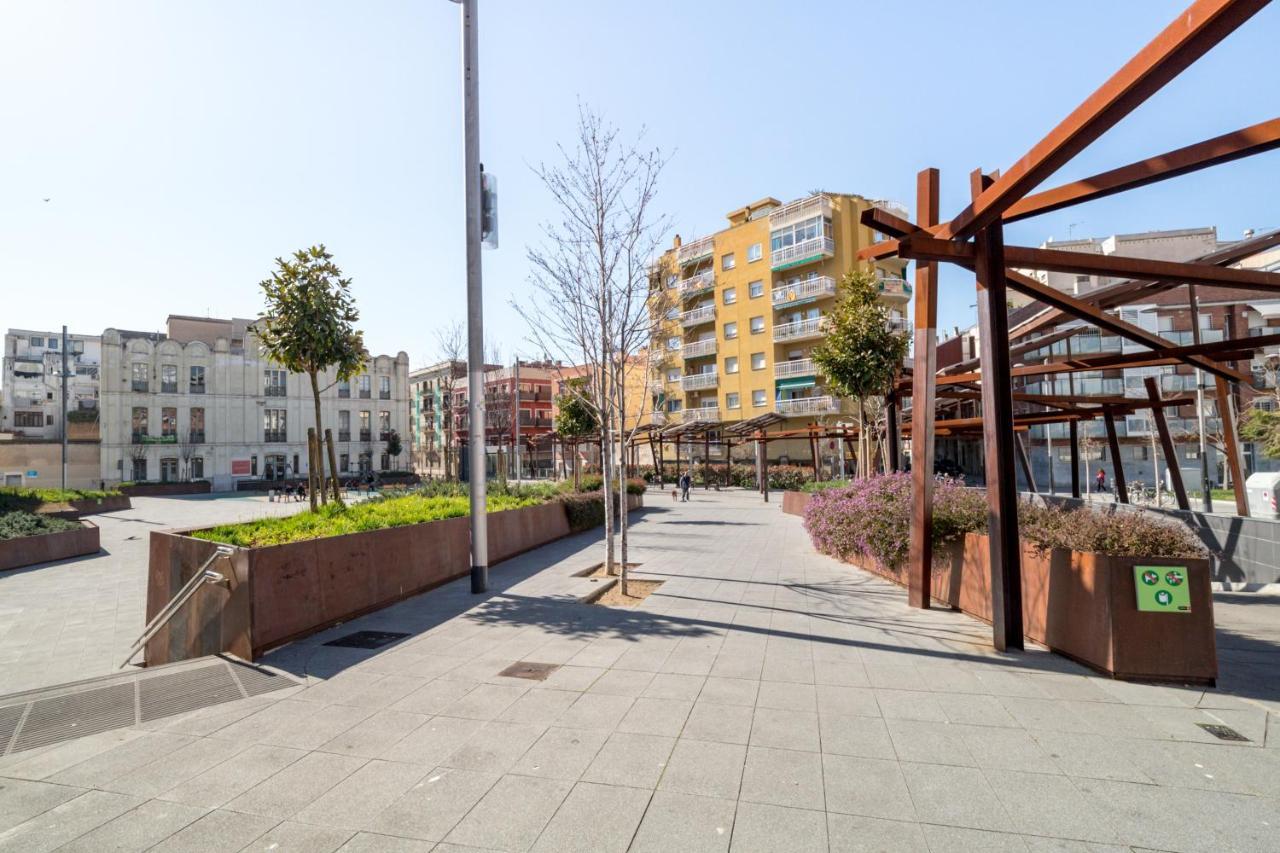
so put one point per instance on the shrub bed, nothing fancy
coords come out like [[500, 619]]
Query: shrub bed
[[21, 498], [16, 524], [872, 518]]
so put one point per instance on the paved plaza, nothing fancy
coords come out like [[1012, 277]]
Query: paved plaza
[[765, 698]]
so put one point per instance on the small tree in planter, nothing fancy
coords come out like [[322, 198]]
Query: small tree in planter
[[575, 420], [394, 449], [308, 327], [861, 356]]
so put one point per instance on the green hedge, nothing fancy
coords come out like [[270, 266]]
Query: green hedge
[[17, 524], [20, 498]]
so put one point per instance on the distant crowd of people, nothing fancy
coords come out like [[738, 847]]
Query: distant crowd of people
[[366, 484]]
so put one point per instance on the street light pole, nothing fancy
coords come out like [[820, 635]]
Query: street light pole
[[64, 407], [475, 300]]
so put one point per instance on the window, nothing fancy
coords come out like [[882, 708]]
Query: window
[[53, 344], [757, 361], [673, 342], [727, 262], [793, 235], [386, 463], [37, 342], [732, 400], [195, 429], [274, 384], [757, 325], [140, 470], [195, 384], [253, 466], [344, 425], [730, 331], [27, 419], [168, 379], [673, 312], [140, 376], [384, 426], [274, 425], [139, 425], [365, 387], [168, 469], [755, 252], [344, 462], [730, 295], [731, 364], [384, 387], [197, 467], [365, 433], [757, 398], [169, 422], [1139, 452], [1081, 281], [344, 389], [75, 347], [755, 289], [673, 375]]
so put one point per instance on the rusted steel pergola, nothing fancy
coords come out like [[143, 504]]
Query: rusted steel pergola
[[974, 239]]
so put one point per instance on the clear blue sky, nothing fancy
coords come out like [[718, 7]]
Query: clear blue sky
[[183, 145]]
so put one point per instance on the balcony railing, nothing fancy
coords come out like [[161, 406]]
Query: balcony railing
[[700, 413], [344, 393], [169, 387], [384, 394], [699, 381], [195, 437], [273, 436], [698, 250], [705, 314], [366, 435], [897, 208], [894, 288], [802, 253], [274, 391], [802, 406], [195, 388], [698, 349], [795, 367], [139, 438], [344, 435], [814, 327], [365, 394], [140, 385], [700, 283], [898, 324], [803, 291], [799, 211], [658, 418]]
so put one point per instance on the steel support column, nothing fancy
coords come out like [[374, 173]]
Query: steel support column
[[923, 394], [891, 431], [1117, 466], [1073, 435], [1166, 443], [1227, 415], [1025, 461]]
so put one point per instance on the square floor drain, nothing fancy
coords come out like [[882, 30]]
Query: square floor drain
[[530, 670], [367, 639], [1223, 732]]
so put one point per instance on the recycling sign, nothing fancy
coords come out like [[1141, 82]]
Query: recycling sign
[[1162, 589]]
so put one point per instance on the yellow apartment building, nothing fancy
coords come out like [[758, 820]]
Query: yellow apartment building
[[745, 306]]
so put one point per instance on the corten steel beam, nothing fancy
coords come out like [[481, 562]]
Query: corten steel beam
[[1117, 466], [997, 433], [706, 461], [1079, 365], [1073, 437], [1025, 461], [1017, 349], [920, 247], [1193, 33], [764, 464], [1238, 144], [1227, 415], [923, 389], [1020, 421], [891, 430], [1166, 443]]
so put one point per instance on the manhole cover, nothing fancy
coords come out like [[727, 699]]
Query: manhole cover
[[367, 639], [1223, 732], [530, 670]]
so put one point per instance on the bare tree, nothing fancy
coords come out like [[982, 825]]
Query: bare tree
[[591, 282], [451, 344]]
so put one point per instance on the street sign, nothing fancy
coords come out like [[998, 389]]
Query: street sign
[[32, 475], [1162, 589]]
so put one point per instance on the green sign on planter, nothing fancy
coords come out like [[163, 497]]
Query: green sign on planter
[[1162, 589]]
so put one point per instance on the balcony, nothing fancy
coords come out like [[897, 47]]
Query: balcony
[[139, 438], [894, 289], [804, 291], [800, 211], [195, 388], [698, 316], [344, 435], [698, 250], [344, 393], [898, 324], [140, 385], [895, 208], [700, 283], [809, 406], [274, 391], [365, 394], [659, 418], [195, 436], [274, 436], [814, 327], [794, 368], [701, 413], [169, 387], [697, 349], [366, 435], [699, 381], [804, 252]]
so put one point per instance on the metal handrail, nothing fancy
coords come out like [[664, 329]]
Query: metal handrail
[[202, 575]]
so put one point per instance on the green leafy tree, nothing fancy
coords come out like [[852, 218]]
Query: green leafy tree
[[308, 326], [575, 418], [394, 446], [1263, 428], [861, 356]]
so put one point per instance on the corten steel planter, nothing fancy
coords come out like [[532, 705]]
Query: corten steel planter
[[795, 503], [1084, 606], [85, 506], [280, 593], [46, 547]]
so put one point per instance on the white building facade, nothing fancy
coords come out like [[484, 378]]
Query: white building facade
[[31, 386], [203, 403]]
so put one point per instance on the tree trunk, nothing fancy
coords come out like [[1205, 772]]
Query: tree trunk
[[333, 467], [316, 475], [622, 481]]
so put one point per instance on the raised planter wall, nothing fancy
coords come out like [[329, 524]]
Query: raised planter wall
[[86, 506], [285, 592], [156, 490], [30, 550], [795, 503]]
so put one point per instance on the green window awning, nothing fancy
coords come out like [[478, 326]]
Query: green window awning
[[796, 382]]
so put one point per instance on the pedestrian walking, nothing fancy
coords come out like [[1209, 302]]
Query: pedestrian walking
[[1100, 481], [685, 482]]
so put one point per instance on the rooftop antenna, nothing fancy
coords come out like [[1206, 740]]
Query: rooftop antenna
[[1071, 227]]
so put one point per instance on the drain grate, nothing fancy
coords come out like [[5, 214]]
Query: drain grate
[[530, 670], [44, 717], [1223, 732], [367, 639]]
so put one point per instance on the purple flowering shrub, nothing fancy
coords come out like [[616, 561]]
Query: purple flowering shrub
[[872, 518]]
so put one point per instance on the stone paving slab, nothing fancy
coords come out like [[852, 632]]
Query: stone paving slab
[[765, 698]]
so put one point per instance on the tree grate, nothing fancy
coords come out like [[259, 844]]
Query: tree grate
[[367, 639], [1223, 732], [45, 717]]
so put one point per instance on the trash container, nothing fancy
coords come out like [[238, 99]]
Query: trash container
[[1263, 490]]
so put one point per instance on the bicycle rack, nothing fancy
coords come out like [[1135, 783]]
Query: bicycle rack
[[203, 575]]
